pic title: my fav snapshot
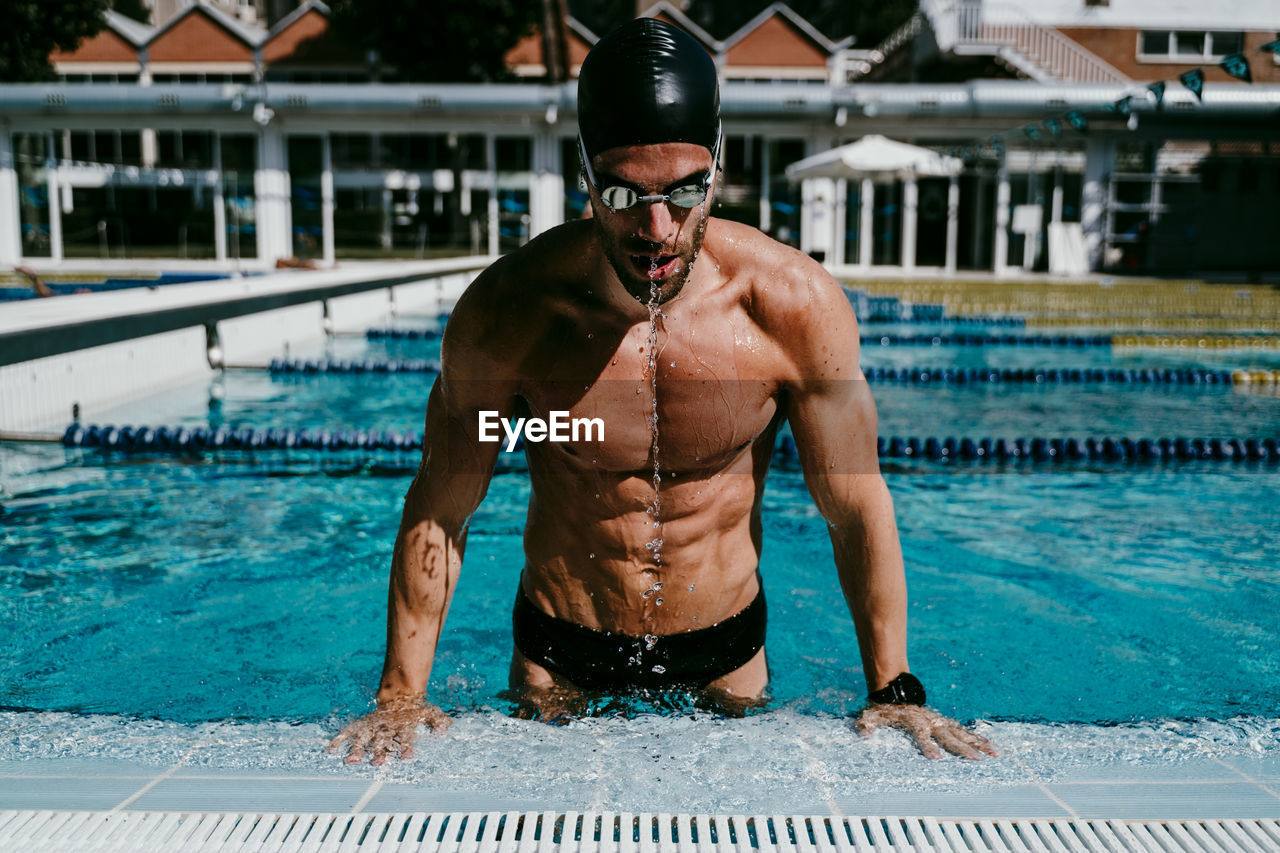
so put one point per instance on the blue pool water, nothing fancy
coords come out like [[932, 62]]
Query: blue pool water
[[251, 588], [19, 292]]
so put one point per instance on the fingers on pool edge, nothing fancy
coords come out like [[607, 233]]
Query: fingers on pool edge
[[980, 743], [436, 719], [954, 742]]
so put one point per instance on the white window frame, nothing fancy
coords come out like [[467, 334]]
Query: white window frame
[[1206, 38]]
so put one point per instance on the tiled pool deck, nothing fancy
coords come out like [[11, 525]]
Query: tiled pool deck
[[1031, 779]]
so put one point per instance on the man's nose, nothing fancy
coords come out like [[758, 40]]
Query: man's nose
[[656, 222]]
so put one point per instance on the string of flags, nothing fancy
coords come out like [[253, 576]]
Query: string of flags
[[1235, 64]]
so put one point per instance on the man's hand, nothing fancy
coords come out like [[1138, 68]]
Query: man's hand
[[929, 729], [389, 730]]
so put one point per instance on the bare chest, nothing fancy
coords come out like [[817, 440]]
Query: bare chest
[[700, 395]]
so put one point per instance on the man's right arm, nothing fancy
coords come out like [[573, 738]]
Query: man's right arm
[[426, 561]]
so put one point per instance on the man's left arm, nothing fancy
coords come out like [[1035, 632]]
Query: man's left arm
[[833, 420]]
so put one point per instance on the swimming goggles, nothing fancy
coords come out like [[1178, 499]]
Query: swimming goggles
[[620, 197]]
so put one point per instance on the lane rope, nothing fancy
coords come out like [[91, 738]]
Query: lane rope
[[315, 366], [196, 440], [922, 376]]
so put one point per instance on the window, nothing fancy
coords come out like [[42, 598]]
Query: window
[[1221, 44], [1187, 45], [1154, 43]]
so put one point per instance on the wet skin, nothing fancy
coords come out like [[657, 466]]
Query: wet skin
[[749, 332]]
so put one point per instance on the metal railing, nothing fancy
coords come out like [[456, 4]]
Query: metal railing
[[1039, 51], [855, 63]]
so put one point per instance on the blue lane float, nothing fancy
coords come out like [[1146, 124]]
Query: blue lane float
[[318, 366], [945, 339], [1052, 375], [181, 440], [890, 309], [195, 440], [985, 340], [403, 334], [922, 376]]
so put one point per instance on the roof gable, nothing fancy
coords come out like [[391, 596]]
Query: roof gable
[[135, 32], [664, 11], [200, 35], [777, 42], [527, 51], [106, 46], [305, 36]]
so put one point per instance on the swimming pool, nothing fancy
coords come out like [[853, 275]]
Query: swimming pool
[[1106, 612], [66, 285]]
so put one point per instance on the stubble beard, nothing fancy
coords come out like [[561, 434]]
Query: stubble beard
[[619, 253]]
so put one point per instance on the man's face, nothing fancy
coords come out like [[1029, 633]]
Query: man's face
[[651, 245]]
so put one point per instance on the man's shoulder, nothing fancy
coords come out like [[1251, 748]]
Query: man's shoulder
[[508, 306], [778, 282], [516, 286]]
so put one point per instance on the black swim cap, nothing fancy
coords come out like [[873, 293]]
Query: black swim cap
[[644, 83]]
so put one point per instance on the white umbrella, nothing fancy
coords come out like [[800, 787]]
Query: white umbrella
[[874, 156]]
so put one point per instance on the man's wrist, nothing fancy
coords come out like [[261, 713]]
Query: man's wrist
[[906, 689]]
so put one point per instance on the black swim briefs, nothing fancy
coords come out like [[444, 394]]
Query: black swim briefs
[[603, 660]]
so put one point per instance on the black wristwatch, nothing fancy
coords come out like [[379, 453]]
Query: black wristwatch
[[906, 689]]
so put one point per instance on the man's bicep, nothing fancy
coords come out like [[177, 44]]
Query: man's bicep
[[460, 445], [834, 425]]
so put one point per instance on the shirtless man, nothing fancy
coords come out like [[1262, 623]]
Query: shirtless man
[[625, 585]]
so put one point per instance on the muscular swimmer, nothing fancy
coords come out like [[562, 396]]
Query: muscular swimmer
[[626, 585]]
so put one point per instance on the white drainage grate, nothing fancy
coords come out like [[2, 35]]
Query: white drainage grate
[[607, 832]]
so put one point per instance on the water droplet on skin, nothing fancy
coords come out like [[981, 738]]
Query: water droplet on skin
[[691, 586], [671, 364], [658, 603], [657, 584], [649, 642]]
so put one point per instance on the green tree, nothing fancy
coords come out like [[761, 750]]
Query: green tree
[[32, 29], [430, 41]]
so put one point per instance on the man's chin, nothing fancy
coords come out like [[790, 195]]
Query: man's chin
[[642, 287]]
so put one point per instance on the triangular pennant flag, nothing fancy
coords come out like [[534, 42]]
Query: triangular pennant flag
[[1157, 89], [1054, 126], [1237, 66], [1077, 121], [1194, 80], [1271, 46], [1123, 106]]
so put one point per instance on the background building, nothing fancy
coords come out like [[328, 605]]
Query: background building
[[213, 135]]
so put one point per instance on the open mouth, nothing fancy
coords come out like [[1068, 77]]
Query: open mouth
[[654, 267]]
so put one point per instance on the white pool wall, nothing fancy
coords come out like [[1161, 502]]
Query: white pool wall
[[39, 395]]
